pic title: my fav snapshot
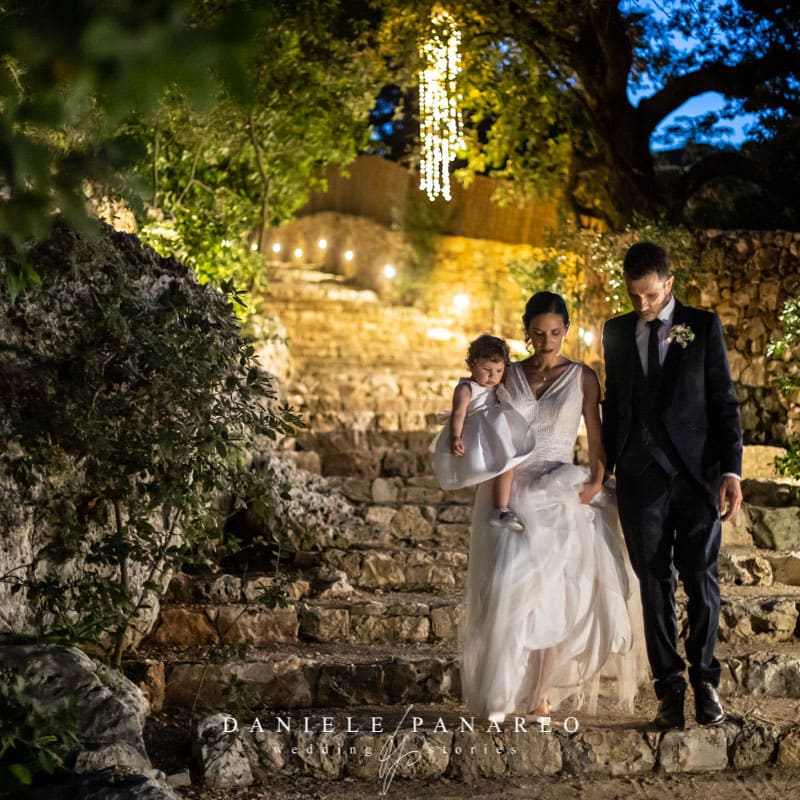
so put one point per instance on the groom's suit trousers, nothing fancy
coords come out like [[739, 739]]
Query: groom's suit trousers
[[667, 518]]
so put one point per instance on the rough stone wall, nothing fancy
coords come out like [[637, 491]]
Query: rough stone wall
[[746, 277]]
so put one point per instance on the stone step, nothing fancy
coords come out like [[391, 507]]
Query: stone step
[[324, 675], [304, 676], [406, 749], [364, 332], [376, 472], [755, 614], [400, 569], [394, 512], [348, 401], [366, 619]]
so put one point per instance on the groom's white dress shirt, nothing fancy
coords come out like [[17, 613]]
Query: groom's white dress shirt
[[643, 334]]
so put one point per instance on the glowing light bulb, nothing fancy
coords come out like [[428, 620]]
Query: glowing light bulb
[[322, 244], [276, 248], [389, 271], [588, 338], [298, 252], [349, 255], [254, 246], [461, 302]]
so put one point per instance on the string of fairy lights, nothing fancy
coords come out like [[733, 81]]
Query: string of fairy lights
[[441, 132]]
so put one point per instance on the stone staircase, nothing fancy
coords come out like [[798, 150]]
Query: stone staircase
[[368, 628]]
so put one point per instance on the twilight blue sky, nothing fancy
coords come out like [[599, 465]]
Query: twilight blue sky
[[710, 101], [726, 132]]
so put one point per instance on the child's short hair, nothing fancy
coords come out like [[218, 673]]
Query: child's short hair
[[489, 347]]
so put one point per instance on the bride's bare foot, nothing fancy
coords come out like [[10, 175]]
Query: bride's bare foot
[[541, 713]]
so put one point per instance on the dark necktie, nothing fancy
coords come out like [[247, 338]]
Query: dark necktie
[[653, 360]]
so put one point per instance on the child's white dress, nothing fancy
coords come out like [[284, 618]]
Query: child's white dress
[[496, 438]]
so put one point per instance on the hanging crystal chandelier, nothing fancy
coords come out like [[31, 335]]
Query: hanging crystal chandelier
[[439, 113]]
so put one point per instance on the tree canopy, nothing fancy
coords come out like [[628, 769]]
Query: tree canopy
[[232, 108], [72, 77], [215, 177], [549, 88]]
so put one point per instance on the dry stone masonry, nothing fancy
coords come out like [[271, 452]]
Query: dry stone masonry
[[374, 594]]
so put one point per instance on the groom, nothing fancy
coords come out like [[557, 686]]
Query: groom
[[671, 426]]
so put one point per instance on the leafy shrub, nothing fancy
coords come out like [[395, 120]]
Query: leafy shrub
[[33, 739], [130, 402]]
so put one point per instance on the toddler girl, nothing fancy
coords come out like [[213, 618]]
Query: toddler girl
[[483, 437]]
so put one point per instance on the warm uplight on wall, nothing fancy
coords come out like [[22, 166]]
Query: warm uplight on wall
[[322, 244], [349, 255], [389, 272], [461, 303], [276, 248], [439, 114], [298, 252]]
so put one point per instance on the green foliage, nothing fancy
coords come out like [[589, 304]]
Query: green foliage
[[788, 382], [546, 273], [600, 254], [72, 75], [789, 464], [421, 221], [216, 179], [547, 87], [130, 402], [34, 739], [789, 318]]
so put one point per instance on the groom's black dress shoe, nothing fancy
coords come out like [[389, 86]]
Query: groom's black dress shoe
[[670, 712], [707, 708]]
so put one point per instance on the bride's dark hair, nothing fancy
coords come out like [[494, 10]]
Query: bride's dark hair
[[544, 303]]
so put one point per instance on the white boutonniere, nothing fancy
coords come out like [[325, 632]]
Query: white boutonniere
[[682, 334]]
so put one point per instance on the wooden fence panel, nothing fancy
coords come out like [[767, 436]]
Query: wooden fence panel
[[379, 190]]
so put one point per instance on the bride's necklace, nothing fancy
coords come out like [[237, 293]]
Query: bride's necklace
[[538, 375]]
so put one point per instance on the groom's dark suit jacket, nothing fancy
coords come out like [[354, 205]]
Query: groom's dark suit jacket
[[696, 402]]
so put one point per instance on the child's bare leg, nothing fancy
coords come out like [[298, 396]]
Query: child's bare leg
[[501, 489], [503, 516]]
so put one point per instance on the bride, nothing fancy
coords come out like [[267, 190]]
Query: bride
[[547, 607]]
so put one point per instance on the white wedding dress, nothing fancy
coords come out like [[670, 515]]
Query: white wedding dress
[[547, 609]]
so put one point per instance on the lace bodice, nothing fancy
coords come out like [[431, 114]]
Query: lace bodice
[[554, 417]]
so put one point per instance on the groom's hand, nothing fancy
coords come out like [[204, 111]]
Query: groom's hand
[[730, 497]]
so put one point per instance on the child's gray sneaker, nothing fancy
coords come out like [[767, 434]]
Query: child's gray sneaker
[[505, 518]]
